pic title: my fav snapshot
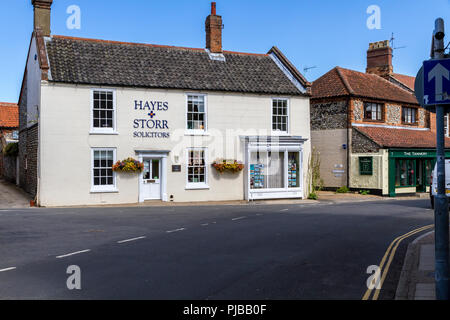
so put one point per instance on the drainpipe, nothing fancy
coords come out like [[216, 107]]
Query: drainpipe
[[349, 129]]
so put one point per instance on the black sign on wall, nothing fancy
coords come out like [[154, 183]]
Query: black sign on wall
[[366, 166], [176, 168]]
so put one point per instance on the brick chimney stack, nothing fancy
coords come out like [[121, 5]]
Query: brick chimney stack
[[42, 9], [214, 31], [379, 59]]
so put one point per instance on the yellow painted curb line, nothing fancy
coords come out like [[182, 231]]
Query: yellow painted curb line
[[391, 254]]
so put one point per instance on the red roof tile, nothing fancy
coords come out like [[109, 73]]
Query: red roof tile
[[9, 115], [345, 82], [406, 80], [401, 138]]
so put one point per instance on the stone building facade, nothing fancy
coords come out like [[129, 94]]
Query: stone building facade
[[372, 121]]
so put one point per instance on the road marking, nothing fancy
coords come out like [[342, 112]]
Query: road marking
[[284, 210], [240, 218], [391, 253], [72, 254], [205, 224], [8, 269], [129, 240], [177, 230]]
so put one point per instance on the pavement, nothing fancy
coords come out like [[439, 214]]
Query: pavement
[[417, 280], [13, 197], [315, 250]]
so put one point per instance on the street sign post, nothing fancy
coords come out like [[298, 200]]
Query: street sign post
[[432, 89]]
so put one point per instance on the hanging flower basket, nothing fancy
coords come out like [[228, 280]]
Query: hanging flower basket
[[129, 165], [232, 166]]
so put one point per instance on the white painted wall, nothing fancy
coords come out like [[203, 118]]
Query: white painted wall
[[33, 85], [66, 141]]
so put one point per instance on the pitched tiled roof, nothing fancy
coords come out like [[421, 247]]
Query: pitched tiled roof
[[406, 80], [401, 138], [344, 82], [9, 115], [98, 62]]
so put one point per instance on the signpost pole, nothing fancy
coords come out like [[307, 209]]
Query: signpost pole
[[441, 217], [441, 214]]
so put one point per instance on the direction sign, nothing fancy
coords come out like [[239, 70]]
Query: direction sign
[[436, 82]]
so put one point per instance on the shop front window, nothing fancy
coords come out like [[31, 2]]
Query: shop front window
[[293, 170], [429, 166], [405, 173], [269, 170]]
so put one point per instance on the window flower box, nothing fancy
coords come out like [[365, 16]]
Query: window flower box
[[128, 165], [232, 166]]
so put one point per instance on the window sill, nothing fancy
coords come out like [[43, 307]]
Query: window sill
[[200, 186], [196, 133], [100, 133], [105, 190], [371, 120], [280, 133]]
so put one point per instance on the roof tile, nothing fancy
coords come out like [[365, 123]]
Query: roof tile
[[401, 138], [99, 62], [9, 115], [344, 82]]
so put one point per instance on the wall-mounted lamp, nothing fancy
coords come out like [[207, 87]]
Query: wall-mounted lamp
[[344, 146]]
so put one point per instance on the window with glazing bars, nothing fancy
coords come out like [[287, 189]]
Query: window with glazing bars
[[280, 115], [409, 115], [196, 166], [196, 114], [373, 111], [103, 110], [103, 173]]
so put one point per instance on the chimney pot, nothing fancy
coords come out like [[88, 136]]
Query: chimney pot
[[213, 26]]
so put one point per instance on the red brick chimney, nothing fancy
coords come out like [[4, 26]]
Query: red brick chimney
[[379, 59], [214, 31], [42, 9]]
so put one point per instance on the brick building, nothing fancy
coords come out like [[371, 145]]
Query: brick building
[[9, 125], [370, 130]]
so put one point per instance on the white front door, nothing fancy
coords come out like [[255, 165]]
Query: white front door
[[151, 179]]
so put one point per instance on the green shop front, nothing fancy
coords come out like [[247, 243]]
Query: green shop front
[[410, 170]]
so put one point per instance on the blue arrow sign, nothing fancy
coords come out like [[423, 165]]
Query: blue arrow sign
[[436, 82]]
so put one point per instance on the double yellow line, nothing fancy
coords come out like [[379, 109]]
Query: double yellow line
[[390, 253]]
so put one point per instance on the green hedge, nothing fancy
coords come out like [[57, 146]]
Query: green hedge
[[11, 150]]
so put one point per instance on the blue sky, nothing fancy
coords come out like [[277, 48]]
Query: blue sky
[[325, 33]]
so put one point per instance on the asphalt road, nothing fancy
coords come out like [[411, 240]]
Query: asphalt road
[[247, 252]]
